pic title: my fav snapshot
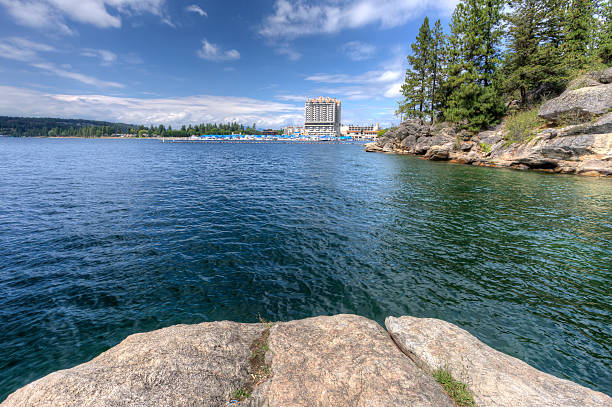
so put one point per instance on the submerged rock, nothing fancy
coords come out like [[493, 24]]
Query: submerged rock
[[494, 378]]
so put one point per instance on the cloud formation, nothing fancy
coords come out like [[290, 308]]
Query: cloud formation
[[293, 19], [168, 111], [194, 8], [86, 79], [358, 51], [215, 53], [374, 84], [299, 18], [106, 57], [100, 13], [24, 50]]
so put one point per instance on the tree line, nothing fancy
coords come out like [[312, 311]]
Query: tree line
[[499, 51], [52, 127]]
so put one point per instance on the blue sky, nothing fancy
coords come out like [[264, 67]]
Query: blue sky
[[175, 62]]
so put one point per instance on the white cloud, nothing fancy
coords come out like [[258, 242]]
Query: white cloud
[[106, 57], [21, 49], [88, 80], [298, 18], [358, 51], [100, 13], [194, 8], [368, 77], [374, 84], [213, 52], [394, 91], [289, 51], [292, 98], [168, 111], [24, 50]]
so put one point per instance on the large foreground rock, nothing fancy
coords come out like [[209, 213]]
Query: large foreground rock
[[494, 378], [587, 102], [344, 360], [184, 365]]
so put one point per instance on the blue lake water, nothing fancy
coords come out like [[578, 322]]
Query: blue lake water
[[100, 239]]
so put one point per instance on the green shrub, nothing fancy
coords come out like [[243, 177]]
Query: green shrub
[[455, 389], [485, 147], [522, 126], [382, 132]]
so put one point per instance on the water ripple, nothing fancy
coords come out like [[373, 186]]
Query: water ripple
[[102, 239]]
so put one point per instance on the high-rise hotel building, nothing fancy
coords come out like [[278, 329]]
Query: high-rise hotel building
[[323, 117]]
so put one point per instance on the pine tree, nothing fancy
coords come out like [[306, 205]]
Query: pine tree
[[416, 87], [437, 64], [522, 69], [550, 58], [579, 30], [474, 95], [605, 34]]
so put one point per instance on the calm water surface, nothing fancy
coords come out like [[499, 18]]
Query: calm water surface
[[100, 239]]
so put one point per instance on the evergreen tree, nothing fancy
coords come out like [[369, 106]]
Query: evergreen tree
[[579, 30], [437, 61], [474, 95], [605, 33], [522, 70], [415, 89]]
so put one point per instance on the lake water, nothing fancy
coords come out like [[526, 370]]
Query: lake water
[[100, 239]]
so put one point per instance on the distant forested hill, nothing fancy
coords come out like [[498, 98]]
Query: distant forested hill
[[36, 127], [49, 127]]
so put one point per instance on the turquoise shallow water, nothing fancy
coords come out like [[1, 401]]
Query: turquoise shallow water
[[100, 239]]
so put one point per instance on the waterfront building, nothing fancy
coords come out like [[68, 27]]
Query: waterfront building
[[269, 132], [294, 131], [323, 117], [360, 132]]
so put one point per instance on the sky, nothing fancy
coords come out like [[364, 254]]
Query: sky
[[196, 61]]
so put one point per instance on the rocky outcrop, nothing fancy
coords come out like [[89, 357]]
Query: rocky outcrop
[[195, 365], [342, 360], [585, 102], [584, 148], [494, 378]]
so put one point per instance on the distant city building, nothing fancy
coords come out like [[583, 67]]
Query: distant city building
[[269, 132], [323, 117], [294, 130], [360, 132]]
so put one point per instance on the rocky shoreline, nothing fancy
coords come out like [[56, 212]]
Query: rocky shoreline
[[584, 148], [341, 360]]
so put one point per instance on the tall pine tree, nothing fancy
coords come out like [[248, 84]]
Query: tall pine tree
[[604, 46], [437, 65], [533, 66], [579, 33], [416, 87], [474, 94]]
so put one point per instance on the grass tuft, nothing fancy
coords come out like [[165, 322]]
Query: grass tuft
[[522, 126], [456, 390], [241, 394], [257, 368]]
